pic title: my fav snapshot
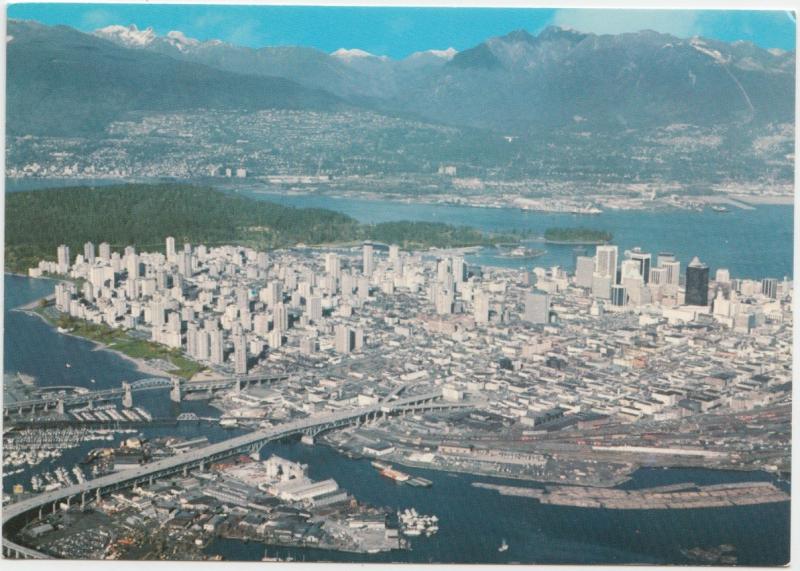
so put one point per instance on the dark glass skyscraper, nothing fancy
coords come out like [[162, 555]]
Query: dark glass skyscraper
[[697, 283], [643, 259]]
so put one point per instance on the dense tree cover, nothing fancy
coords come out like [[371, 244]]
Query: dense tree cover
[[144, 215], [421, 234], [577, 235]]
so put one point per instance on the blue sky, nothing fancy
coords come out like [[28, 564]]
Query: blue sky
[[397, 32]]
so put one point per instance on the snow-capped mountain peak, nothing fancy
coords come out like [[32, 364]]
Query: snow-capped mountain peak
[[447, 54], [349, 54], [180, 40], [129, 36]]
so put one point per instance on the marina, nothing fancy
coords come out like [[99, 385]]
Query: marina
[[413, 524], [549, 525]]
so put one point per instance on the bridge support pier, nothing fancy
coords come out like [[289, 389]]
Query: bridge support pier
[[127, 398], [185, 471], [83, 500], [59, 406], [175, 391], [150, 480], [98, 496]]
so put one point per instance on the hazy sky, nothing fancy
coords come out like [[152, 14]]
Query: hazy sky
[[397, 32]]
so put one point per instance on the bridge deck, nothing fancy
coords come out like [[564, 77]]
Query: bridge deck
[[194, 458]]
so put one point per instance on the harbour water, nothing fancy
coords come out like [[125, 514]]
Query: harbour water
[[754, 243], [473, 521]]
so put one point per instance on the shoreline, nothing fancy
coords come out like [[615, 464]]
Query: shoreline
[[620, 481], [577, 243], [141, 366]]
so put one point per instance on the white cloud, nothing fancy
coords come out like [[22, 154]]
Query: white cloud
[[681, 23]]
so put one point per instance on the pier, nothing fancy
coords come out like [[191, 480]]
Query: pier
[[201, 458], [675, 496]]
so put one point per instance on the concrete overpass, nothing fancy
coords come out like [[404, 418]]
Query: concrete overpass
[[252, 442]]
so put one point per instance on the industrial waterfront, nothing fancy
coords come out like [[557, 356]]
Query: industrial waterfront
[[468, 532]]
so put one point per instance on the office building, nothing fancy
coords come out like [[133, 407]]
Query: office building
[[619, 296], [658, 276], [697, 283], [601, 286], [333, 265], [314, 309], [673, 276], [63, 259], [104, 251], [215, 346], [480, 305], [642, 259], [606, 262], [202, 348], [344, 339], [280, 317], [88, 252], [239, 353], [459, 269], [663, 258], [444, 301], [537, 308], [584, 269], [309, 345], [367, 262], [170, 248], [769, 287]]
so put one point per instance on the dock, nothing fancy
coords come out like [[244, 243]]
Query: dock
[[675, 496]]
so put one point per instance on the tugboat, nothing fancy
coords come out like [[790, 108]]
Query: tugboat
[[503, 547]]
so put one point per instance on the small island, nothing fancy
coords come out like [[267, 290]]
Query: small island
[[573, 236]]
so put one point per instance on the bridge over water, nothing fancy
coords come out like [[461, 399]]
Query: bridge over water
[[200, 458], [53, 400]]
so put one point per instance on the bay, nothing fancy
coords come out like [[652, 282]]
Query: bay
[[754, 243], [473, 521]]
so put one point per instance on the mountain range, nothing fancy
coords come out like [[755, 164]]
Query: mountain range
[[517, 82], [61, 82]]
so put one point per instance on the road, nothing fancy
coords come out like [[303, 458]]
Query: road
[[193, 458]]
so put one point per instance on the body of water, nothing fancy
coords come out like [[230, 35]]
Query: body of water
[[754, 243], [473, 521]]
